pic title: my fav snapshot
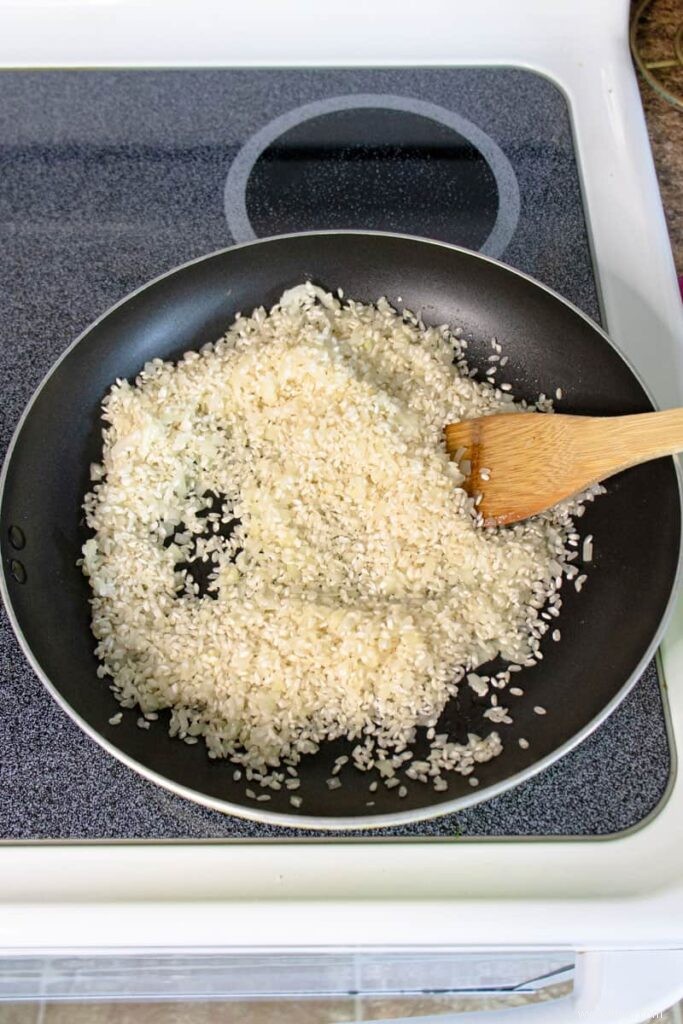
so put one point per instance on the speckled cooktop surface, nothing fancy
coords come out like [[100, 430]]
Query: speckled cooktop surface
[[109, 178]]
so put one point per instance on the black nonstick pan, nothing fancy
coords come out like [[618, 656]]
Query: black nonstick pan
[[609, 630]]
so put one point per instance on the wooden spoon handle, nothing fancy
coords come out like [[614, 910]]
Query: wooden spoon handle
[[610, 444], [522, 463]]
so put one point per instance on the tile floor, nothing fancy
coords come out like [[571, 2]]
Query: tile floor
[[340, 1011]]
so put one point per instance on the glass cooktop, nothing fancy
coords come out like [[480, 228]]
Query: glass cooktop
[[109, 178]]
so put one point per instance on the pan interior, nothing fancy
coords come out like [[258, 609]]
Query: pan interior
[[606, 630]]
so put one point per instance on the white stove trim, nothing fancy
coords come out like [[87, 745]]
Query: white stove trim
[[624, 892]]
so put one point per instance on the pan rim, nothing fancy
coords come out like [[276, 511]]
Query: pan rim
[[355, 822]]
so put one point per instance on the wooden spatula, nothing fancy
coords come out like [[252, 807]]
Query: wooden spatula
[[523, 463]]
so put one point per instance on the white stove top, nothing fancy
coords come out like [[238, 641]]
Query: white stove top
[[625, 892]]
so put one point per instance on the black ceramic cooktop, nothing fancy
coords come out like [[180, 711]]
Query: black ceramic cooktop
[[109, 178]]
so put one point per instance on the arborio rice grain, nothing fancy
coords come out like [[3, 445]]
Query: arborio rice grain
[[357, 587]]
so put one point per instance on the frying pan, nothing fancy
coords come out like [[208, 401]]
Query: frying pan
[[609, 631]]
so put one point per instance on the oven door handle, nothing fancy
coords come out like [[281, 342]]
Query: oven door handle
[[610, 987]]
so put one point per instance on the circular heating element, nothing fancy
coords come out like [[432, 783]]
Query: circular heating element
[[380, 162]]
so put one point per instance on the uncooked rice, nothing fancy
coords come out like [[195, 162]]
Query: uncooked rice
[[357, 588]]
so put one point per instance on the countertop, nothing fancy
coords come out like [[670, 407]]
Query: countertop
[[664, 121]]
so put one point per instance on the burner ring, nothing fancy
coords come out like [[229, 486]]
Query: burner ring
[[235, 191]]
